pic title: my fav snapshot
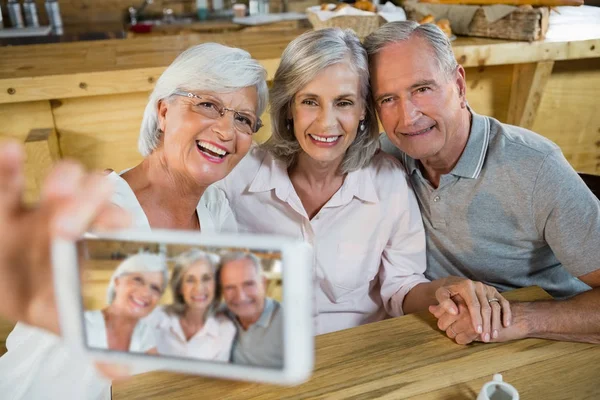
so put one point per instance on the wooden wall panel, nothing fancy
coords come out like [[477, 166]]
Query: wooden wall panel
[[569, 112], [101, 131], [488, 90]]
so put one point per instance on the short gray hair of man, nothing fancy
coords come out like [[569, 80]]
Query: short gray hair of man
[[207, 67], [141, 262], [182, 263], [231, 256], [398, 31], [301, 61]]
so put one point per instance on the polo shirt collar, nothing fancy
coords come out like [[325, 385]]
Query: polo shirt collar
[[265, 317], [471, 161]]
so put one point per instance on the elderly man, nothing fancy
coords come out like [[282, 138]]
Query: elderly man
[[259, 319], [500, 204]]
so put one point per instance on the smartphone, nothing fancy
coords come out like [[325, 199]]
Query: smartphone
[[228, 306]]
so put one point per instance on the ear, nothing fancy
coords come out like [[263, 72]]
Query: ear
[[117, 282], [264, 282], [162, 108], [461, 84]]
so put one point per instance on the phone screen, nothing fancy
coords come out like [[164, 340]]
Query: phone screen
[[221, 305]]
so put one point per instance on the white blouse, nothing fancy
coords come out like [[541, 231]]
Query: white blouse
[[142, 339], [368, 239], [38, 366], [212, 342]]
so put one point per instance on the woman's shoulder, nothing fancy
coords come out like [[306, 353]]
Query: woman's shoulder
[[226, 325], [386, 171], [246, 169]]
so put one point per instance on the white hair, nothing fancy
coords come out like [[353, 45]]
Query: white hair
[[209, 67], [141, 262], [398, 31], [231, 256]]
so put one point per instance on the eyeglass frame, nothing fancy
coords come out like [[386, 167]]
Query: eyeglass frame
[[222, 110]]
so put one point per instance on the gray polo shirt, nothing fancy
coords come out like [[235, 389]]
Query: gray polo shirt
[[512, 213], [262, 343]]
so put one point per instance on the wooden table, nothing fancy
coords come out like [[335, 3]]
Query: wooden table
[[402, 358]]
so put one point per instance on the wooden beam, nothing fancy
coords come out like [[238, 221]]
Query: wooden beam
[[528, 83], [42, 150]]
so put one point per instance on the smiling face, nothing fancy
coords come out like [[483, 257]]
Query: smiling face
[[201, 148], [243, 289], [421, 108], [198, 286], [327, 112], [137, 294]]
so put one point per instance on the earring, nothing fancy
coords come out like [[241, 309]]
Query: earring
[[362, 127], [288, 125]]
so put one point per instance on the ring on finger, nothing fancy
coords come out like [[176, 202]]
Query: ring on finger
[[493, 300]]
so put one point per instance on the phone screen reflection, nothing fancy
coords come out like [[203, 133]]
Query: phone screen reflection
[[212, 304]]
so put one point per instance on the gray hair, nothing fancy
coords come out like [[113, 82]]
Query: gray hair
[[398, 31], [182, 263], [141, 262], [232, 256], [206, 67], [301, 61]]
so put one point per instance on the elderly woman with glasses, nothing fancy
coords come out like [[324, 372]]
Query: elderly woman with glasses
[[320, 178], [134, 290], [197, 126], [192, 326]]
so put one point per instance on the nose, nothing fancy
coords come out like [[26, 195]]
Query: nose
[[408, 113], [327, 118], [224, 127]]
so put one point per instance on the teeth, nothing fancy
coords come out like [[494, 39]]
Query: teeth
[[139, 303], [329, 139], [420, 132], [212, 148]]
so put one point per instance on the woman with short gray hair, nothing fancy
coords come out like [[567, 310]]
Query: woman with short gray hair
[[319, 178], [198, 124], [192, 326]]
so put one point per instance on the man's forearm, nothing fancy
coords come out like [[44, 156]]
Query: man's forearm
[[576, 319]]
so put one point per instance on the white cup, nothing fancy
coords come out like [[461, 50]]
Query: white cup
[[498, 390]]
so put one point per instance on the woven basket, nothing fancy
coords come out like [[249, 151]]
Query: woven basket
[[363, 25]]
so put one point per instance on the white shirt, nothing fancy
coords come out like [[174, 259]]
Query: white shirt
[[143, 337], [213, 209], [212, 342], [368, 239], [38, 366]]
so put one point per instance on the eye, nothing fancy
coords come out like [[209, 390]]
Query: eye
[[207, 105], [138, 279], [345, 103], [155, 289], [244, 119], [423, 89], [385, 100], [207, 278], [309, 102]]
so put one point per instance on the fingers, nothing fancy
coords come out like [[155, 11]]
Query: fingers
[[506, 312], [444, 298], [63, 181], [468, 291], [12, 178], [464, 338], [446, 320], [112, 217], [72, 218], [496, 318], [113, 371], [486, 310]]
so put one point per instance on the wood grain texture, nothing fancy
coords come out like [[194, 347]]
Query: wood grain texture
[[401, 358], [568, 113], [529, 82]]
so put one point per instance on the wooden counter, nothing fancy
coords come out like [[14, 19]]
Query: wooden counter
[[87, 99], [406, 358]]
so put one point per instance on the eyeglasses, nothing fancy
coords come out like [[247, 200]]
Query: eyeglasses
[[211, 108]]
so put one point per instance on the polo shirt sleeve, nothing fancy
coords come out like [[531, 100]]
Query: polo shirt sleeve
[[567, 215], [403, 261]]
